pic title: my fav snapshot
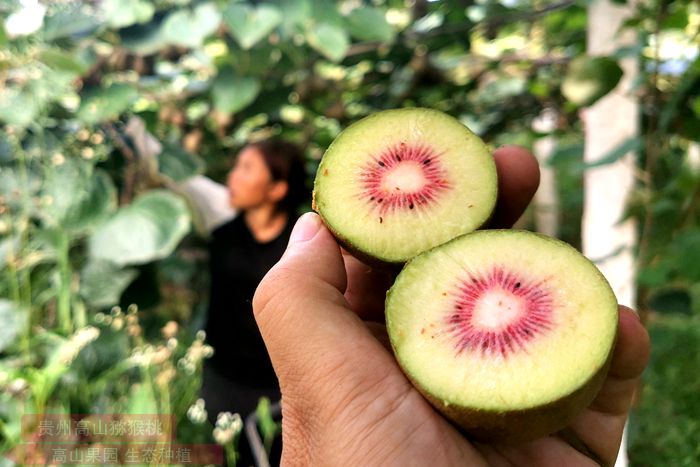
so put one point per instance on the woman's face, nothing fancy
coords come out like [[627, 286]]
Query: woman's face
[[249, 182]]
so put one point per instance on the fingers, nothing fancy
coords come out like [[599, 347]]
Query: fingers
[[600, 427], [629, 360], [366, 289], [300, 309], [518, 179]]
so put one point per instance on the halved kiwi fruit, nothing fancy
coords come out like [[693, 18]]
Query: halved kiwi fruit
[[508, 333], [400, 182]]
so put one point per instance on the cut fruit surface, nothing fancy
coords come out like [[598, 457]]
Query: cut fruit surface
[[508, 333], [403, 181]]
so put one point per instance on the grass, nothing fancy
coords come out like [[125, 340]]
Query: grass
[[665, 427]]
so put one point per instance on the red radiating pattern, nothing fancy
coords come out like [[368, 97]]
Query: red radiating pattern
[[387, 201], [512, 337]]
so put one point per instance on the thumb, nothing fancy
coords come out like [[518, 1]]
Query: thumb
[[300, 309]]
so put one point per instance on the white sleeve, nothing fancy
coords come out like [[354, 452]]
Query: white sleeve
[[208, 200]]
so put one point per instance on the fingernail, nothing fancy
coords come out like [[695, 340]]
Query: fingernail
[[305, 228]]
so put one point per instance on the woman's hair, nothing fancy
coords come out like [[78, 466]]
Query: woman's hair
[[285, 161]]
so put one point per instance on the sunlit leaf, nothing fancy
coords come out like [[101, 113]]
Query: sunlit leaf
[[369, 24], [148, 229], [122, 13], [248, 24], [331, 41], [189, 27], [590, 78], [295, 14]]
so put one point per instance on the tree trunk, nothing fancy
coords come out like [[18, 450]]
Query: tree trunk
[[612, 120], [546, 202]]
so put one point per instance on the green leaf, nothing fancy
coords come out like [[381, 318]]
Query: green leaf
[[148, 229], [63, 61], [80, 197], [671, 300], [232, 92], [65, 186], [99, 201], [369, 24], [102, 282], [683, 253], [70, 21], [13, 318], [189, 27], [144, 39], [18, 108], [295, 14], [590, 78], [654, 276], [249, 24], [177, 164], [331, 41], [106, 103], [122, 13], [142, 400], [632, 144]]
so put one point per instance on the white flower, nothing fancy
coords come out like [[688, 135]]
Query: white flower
[[222, 436], [17, 386], [27, 20], [58, 159], [227, 427], [87, 153], [197, 413], [77, 342]]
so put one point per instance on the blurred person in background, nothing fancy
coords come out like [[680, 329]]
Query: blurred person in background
[[265, 189]]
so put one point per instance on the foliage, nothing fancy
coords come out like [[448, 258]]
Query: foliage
[[87, 222], [669, 395]]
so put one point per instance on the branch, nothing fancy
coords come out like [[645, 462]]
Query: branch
[[131, 159]]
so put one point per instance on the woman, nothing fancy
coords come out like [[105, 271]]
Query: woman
[[266, 187]]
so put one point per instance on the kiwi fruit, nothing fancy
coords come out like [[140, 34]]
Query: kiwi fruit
[[402, 181], [509, 334]]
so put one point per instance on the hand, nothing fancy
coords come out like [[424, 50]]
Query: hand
[[345, 399]]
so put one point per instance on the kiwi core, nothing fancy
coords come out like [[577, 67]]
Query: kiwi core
[[498, 314], [403, 177]]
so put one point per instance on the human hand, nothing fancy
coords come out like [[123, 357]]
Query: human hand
[[345, 399]]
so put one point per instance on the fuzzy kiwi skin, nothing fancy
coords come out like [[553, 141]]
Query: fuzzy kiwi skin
[[519, 426]]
